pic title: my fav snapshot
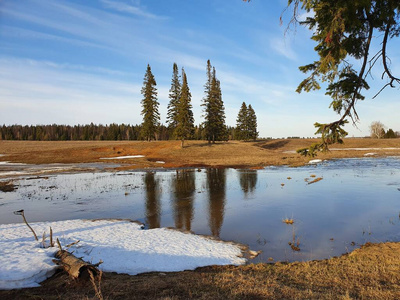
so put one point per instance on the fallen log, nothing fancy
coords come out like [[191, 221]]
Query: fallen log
[[74, 266]]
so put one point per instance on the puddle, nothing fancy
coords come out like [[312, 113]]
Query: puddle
[[356, 202]]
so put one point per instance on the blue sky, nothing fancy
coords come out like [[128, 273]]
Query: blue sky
[[76, 62]]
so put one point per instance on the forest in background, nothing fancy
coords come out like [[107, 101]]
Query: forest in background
[[93, 132]]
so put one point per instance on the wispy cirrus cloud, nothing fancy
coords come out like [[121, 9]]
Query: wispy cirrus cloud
[[130, 9], [283, 47], [11, 31]]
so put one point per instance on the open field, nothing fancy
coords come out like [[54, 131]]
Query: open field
[[196, 153], [372, 272]]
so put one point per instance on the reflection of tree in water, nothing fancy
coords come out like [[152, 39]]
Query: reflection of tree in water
[[248, 180], [153, 207], [183, 187], [216, 179]]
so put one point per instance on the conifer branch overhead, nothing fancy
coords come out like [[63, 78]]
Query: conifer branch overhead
[[345, 29]]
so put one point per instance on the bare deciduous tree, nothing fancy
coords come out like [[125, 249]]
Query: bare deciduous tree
[[377, 130]]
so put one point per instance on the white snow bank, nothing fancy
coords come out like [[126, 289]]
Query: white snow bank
[[122, 245], [315, 161], [160, 162], [123, 157]]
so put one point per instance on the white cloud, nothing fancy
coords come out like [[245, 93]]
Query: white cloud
[[283, 47], [11, 31], [45, 92], [134, 10]]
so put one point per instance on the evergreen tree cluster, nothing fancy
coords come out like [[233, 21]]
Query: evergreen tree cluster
[[214, 123], [180, 114], [246, 123], [390, 134]]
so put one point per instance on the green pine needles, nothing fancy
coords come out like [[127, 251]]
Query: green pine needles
[[344, 32], [180, 118], [151, 116], [174, 94], [180, 115], [184, 117], [246, 123], [214, 110]]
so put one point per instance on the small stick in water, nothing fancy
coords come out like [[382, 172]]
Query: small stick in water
[[21, 213]]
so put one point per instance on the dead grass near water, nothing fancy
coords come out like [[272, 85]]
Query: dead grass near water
[[195, 154], [7, 186], [372, 272]]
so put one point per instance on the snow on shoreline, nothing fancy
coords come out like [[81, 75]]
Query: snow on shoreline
[[123, 157], [122, 246]]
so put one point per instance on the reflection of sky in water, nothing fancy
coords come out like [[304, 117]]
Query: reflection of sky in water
[[357, 201]]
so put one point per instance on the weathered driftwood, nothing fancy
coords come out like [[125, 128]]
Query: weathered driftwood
[[74, 266], [21, 213]]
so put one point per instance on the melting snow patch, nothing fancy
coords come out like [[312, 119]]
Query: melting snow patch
[[123, 157], [315, 161], [370, 154], [160, 162], [7, 163], [122, 245]]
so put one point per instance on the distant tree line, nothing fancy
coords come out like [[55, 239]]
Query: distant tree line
[[93, 132], [180, 120]]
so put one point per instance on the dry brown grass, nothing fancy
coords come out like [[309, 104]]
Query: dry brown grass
[[288, 221], [196, 153], [372, 272], [7, 186]]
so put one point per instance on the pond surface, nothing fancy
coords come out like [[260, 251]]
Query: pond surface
[[356, 201]]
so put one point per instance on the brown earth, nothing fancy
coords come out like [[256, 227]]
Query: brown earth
[[372, 272], [195, 153]]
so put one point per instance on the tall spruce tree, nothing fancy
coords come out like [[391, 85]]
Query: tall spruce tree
[[242, 123], [174, 94], [184, 116], [151, 116], [246, 123], [214, 123], [252, 123]]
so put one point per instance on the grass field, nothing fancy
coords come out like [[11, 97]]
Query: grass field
[[196, 153], [372, 272]]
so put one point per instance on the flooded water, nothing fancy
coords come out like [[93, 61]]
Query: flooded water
[[335, 205]]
